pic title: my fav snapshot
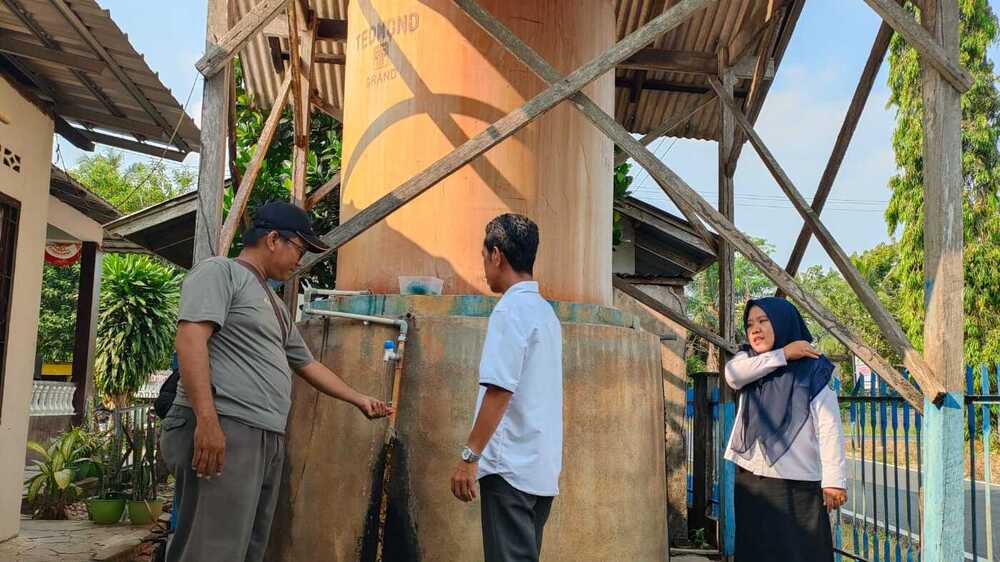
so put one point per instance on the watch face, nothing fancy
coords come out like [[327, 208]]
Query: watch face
[[466, 454]]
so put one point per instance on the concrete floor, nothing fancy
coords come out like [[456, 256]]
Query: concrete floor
[[72, 541]]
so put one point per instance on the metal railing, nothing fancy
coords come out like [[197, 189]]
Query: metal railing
[[881, 520], [982, 402]]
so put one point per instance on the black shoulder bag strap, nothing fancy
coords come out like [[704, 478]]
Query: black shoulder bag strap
[[282, 322]]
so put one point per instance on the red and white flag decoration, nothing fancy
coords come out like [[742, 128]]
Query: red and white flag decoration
[[62, 254]]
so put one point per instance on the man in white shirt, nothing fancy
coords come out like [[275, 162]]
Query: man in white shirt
[[515, 447]]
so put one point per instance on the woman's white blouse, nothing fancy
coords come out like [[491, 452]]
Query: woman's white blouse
[[817, 453]]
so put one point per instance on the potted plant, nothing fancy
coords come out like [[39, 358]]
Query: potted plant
[[144, 507], [108, 505], [55, 487]]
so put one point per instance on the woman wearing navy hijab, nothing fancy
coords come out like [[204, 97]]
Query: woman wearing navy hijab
[[787, 441]]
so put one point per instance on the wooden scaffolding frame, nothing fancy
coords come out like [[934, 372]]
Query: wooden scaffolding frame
[[937, 372]]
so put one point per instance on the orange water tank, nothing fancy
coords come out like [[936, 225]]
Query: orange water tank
[[421, 79]]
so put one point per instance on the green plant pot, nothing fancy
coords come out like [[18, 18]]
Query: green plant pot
[[140, 514], [105, 512]]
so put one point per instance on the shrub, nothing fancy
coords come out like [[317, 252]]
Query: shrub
[[135, 331]]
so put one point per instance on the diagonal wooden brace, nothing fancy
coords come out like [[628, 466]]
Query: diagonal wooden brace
[[919, 368], [639, 295], [854, 111], [218, 56], [242, 197], [504, 128], [920, 39], [678, 188]]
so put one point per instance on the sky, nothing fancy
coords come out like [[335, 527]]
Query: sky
[[799, 122]]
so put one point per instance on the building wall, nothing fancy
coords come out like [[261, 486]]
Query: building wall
[[29, 135], [674, 371], [623, 255], [73, 222]]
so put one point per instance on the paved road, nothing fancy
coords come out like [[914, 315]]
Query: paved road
[[872, 504]]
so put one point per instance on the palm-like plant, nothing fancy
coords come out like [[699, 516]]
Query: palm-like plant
[[135, 331], [54, 487]]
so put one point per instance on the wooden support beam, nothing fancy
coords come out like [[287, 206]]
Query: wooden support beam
[[326, 29], [639, 295], [727, 315], [242, 196], [691, 62], [918, 368], [747, 36], [301, 73], [665, 60], [668, 86], [167, 152], [218, 56], [85, 332], [76, 137], [676, 188], [325, 106], [581, 102], [278, 57], [321, 58], [38, 52], [944, 279], [664, 128], [917, 37], [505, 127], [854, 111], [302, 39], [120, 73], [764, 56], [320, 193], [212, 161]]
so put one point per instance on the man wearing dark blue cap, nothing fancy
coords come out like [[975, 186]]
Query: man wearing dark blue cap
[[224, 436]]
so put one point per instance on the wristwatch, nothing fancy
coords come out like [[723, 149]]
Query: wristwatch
[[470, 456]]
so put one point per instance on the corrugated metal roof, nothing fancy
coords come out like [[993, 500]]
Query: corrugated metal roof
[[259, 72], [124, 98], [704, 33]]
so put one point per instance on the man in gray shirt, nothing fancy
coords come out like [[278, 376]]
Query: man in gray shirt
[[224, 436]]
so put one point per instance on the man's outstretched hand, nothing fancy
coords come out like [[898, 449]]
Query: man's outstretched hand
[[374, 409]]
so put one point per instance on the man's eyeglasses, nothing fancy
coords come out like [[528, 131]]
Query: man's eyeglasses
[[301, 249]]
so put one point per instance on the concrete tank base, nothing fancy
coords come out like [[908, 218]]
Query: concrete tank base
[[613, 496]]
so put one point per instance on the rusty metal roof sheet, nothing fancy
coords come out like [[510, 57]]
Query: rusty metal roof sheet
[[74, 57], [662, 96]]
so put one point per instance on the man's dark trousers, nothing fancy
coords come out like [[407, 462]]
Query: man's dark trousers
[[513, 521], [226, 518]]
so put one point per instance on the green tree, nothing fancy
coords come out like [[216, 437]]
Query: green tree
[[57, 313], [131, 188], [135, 330], [622, 185], [829, 286], [703, 304], [274, 180], [981, 169]]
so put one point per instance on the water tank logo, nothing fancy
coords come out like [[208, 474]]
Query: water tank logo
[[380, 38]]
